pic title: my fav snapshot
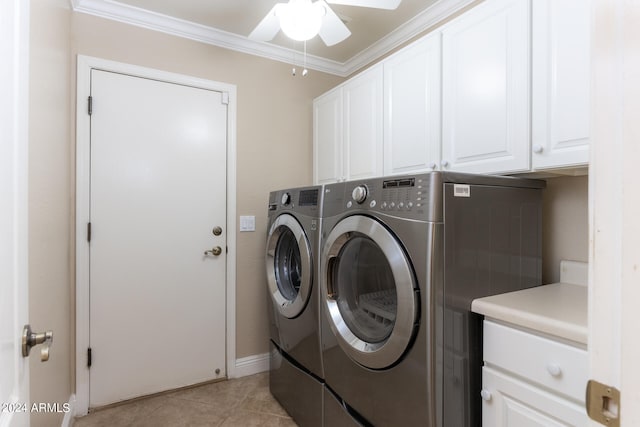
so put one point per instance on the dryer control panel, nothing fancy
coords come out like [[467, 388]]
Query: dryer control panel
[[407, 197]]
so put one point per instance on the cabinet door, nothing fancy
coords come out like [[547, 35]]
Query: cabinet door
[[486, 88], [560, 86], [363, 125], [327, 137], [508, 402], [412, 108]]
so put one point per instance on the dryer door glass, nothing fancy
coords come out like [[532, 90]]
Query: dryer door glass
[[289, 268], [366, 293], [371, 298]]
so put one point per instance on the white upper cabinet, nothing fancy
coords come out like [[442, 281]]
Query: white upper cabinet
[[485, 98], [502, 88], [363, 125], [560, 86], [347, 130], [412, 108], [327, 137]]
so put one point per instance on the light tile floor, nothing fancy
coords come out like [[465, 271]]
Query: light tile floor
[[242, 402]]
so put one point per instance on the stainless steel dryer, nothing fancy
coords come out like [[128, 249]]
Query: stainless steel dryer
[[402, 258], [291, 260]]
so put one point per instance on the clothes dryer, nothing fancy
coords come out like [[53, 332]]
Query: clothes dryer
[[402, 258], [291, 262]]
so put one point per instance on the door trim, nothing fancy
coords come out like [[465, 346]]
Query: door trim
[[14, 196], [83, 134]]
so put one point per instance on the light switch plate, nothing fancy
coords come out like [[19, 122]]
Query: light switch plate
[[248, 223]]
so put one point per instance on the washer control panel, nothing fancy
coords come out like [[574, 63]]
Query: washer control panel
[[303, 200]]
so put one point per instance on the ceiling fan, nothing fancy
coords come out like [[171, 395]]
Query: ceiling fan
[[302, 20]]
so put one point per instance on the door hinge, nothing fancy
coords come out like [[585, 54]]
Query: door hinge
[[90, 105], [225, 98], [89, 357], [603, 403], [88, 232]]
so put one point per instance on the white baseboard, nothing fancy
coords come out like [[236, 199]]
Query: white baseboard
[[251, 365], [69, 417]]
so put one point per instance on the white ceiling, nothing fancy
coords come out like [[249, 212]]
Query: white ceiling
[[227, 23]]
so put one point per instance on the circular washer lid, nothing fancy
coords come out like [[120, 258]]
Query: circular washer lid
[[289, 266]]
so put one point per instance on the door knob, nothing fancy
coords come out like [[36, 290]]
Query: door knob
[[217, 230], [31, 339], [216, 250]]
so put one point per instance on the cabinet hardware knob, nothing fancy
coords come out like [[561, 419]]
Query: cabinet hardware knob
[[486, 395], [554, 370], [538, 148], [444, 163]]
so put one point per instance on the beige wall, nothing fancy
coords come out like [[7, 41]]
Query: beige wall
[[565, 224], [273, 149], [50, 201]]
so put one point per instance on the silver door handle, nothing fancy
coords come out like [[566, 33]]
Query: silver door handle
[[216, 250], [31, 339]]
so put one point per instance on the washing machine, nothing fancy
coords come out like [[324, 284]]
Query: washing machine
[[401, 260], [292, 248]]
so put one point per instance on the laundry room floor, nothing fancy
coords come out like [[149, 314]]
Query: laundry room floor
[[240, 402]]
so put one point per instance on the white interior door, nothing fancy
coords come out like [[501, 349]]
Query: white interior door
[[158, 189], [14, 79]]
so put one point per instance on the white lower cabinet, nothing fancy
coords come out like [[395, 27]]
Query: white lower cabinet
[[531, 381], [509, 402]]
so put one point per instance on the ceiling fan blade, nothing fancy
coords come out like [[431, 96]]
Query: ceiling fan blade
[[269, 26], [376, 4], [333, 30]]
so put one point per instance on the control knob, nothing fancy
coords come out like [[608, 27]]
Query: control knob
[[359, 193], [286, 199]]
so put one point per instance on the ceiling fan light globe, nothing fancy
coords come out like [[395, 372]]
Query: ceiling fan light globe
[[301, 20]]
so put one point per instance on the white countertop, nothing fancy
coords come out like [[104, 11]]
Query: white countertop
[[559, 309]]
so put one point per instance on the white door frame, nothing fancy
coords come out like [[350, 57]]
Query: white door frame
[[14, 218], [614, 203], [83, 159]]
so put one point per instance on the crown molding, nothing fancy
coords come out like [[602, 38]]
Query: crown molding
[[417, 25], [132, 15]]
